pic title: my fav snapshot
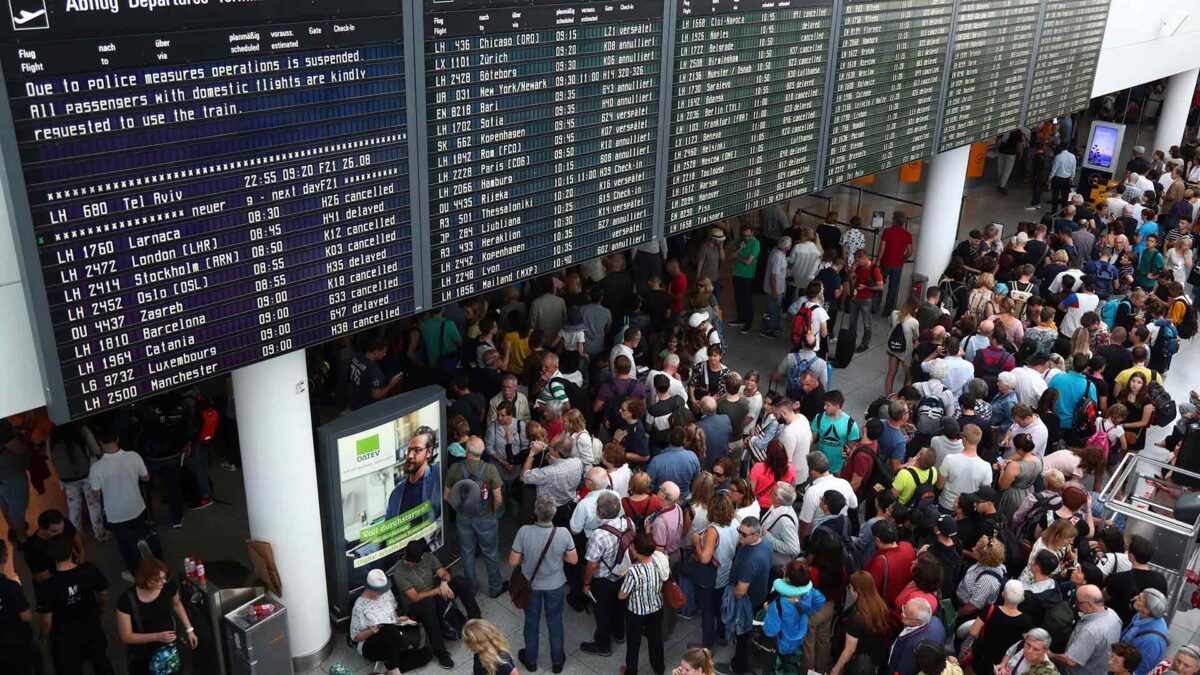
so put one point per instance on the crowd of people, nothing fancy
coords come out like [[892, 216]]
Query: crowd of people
[[954, 523]]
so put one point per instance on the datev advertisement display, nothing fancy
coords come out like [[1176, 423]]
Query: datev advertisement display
[[382, 487]]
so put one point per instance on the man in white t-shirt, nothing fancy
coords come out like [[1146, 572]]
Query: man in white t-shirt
[[116, 478], [671, 370], [1077, 304], [795, 435], [964, 472], [822, 480], [774, 285], [813, 299]]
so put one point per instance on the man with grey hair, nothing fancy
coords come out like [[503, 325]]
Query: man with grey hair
[[935, 387], [548, 584], [1148, 631], [666, 524], [781, 525], [508, 392], [559, 478], [1098, 627], [718, 430], [750, 579], [607, 562], [1031, 655], [474, 490], [774, 285], [584, 521], [675, 386], [919, 624]]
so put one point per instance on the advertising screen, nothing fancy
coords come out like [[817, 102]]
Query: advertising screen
[[383, 484], [1103, 146]]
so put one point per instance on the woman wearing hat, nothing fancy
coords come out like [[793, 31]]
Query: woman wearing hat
[[375, 627]]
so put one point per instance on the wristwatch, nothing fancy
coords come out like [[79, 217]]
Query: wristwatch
[[191, 629]]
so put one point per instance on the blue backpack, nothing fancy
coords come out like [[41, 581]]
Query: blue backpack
[[1166, 343], [1108, 313], [795, 390], [1105, 273]]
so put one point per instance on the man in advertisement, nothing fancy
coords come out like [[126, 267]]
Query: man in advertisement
[[422, 480]]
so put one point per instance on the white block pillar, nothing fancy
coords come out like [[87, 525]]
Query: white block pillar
[[1177, 102], [280, 474], [939, 220]]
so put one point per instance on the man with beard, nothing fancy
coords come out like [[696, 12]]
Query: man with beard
[[422, 480]]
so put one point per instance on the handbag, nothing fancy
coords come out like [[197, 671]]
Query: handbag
[[673, 595], [165, 660], [704, 576], [519, 588], [966, 653]]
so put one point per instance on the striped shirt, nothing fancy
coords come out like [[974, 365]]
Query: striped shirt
[[643, 586], [553, 390], [602, 549], [981, 585], [560, 479]]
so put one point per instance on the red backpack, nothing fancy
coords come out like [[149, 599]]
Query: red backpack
[[802, 329], [210, 420]]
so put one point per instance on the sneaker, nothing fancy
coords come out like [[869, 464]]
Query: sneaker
[[228, 466], [736, 324], [686, 617], [594, 649], [557, 668], [1032, 208], [176, 526], [127, 576], [745, 331], [203, 504], [445, 661]]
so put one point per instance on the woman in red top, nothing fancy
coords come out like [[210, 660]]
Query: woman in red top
[[764, 475]]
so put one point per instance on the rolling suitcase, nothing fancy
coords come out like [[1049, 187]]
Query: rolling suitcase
[[846, 342]]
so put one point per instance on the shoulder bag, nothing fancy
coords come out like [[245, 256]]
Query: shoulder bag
[[164, 659], [519, 588]]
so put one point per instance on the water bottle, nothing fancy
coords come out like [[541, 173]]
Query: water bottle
[[200, 576]]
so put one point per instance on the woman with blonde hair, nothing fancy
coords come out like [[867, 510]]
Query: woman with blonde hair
[[979, 301], [906, 318], [1081, 342], [489, 646], [640, 503], [582, 442], [695, 440], [1057, 538], [695, 661], [1014, 330]]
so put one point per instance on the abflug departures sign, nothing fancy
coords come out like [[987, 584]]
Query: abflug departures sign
[[542, 123], [209, 182]]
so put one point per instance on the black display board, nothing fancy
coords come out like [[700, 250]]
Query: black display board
[[888, 85], [988, 70], [748, 89], [210, 183], [1067, 52], [542, 124]]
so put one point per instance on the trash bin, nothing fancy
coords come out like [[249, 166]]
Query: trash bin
[[256, 639], [228, 585]]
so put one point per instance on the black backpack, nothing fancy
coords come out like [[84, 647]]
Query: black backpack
[[881, 475], [1042, 504], [612, 407], [897, 340], [1188, 325], [576, 396], [926, 493], [1165, 410]]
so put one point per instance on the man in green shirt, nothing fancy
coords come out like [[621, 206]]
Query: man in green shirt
[[745, 262], [427, 587], [1150, 263], [441, 339], [475, 504]]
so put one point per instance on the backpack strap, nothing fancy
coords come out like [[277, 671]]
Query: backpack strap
[[1153, 632]]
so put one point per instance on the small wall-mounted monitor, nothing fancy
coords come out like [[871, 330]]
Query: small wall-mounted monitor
[[1104, 147]]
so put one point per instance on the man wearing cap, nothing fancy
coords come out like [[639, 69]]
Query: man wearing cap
[[473, 490], [981, 519], [373, 627], [429, 589], [709, 257], [948, 552]]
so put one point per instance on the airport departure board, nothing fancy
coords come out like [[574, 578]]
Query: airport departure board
[[989, 68], [1067, 51], [542, 124], [749, 85], [210, 183], [888, 84]]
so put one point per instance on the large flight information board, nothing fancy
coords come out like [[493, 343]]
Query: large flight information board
[[989, 69], [749, 85], [1067, 52], [888, 85], [210, 184], [542, 123]]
